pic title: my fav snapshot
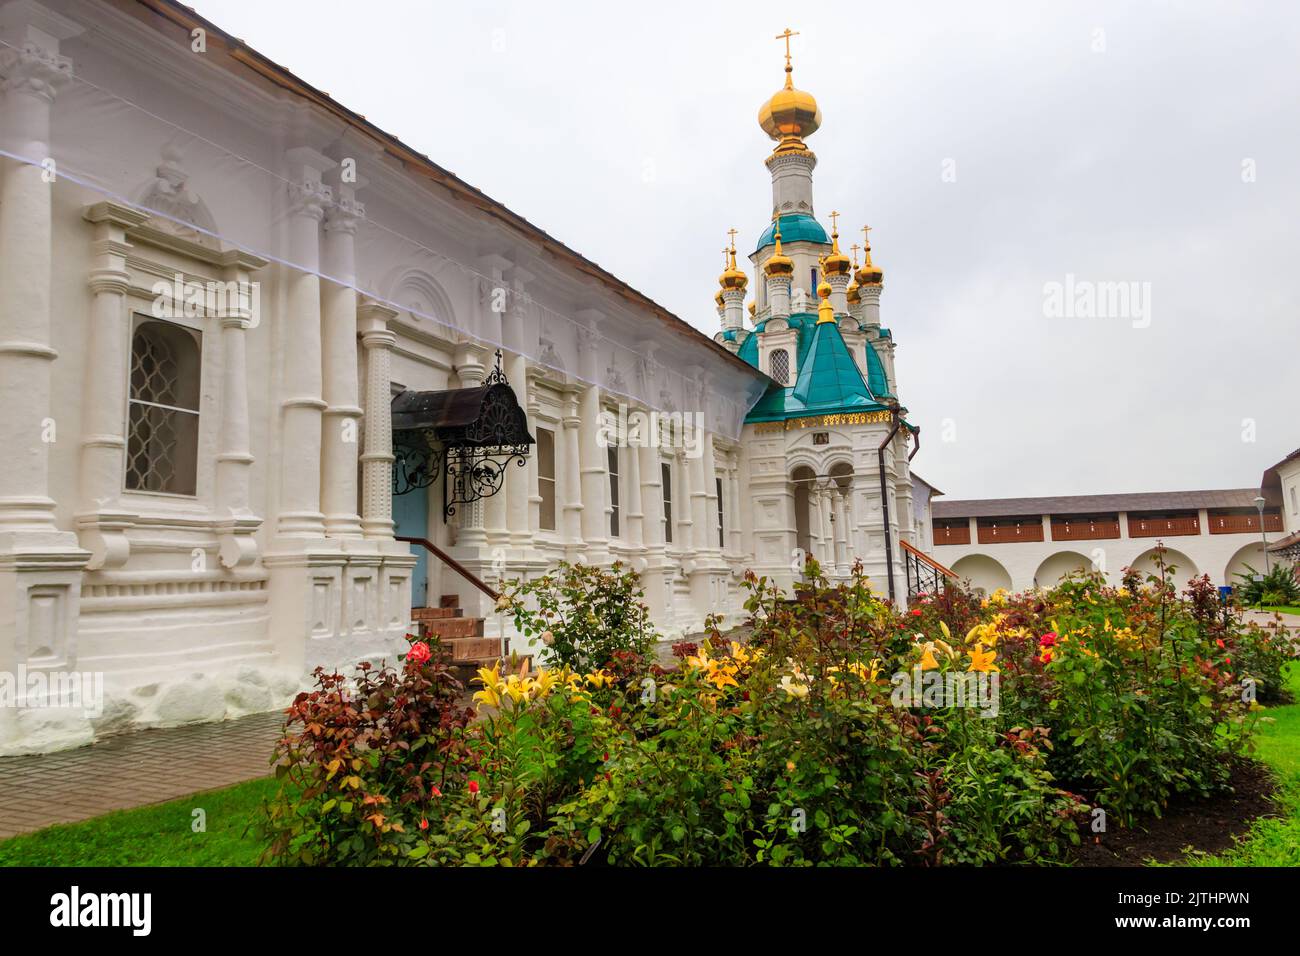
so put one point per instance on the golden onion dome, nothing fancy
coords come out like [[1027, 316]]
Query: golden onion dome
[[718, 299], [778, 264], [753, 308], [732, 278], [789, 115], [837, 263], [868, 274], [852, 292]]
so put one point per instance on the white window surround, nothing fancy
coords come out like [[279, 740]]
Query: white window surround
[[782, 337]]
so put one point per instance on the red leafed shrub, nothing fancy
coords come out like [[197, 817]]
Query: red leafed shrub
[[358, 750]]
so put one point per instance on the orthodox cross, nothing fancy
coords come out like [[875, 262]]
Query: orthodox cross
[[731, 234], [835, 222], [786, 37]]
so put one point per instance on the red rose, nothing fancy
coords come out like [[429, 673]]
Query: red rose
[[916, 612], [473, 786], [1219, 641], [424, 824], [436, 792], [1048, 639], [419, 653]]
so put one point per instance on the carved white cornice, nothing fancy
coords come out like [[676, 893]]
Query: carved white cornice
[[343, 215]]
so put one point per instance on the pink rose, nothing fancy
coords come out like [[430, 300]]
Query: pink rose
[[419, 653]]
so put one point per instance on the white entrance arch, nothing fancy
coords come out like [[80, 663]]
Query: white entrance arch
[[1184, 567], [1057, 566]]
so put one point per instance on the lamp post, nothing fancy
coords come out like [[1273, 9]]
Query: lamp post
[[1259, 506]]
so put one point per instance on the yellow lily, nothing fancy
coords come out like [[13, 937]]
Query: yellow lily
[[982, 660]]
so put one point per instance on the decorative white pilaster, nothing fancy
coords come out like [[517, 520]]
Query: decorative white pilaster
[[635, 516], [101, 520], [656, 578], [342, 415], [570, 444], [377, 458], [236, 522]]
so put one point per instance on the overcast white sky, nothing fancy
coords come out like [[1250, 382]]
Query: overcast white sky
[[1103, 140]]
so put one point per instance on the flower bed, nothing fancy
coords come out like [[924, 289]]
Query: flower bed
[[965, 731]]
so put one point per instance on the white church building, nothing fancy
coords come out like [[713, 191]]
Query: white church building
[[280, 390]]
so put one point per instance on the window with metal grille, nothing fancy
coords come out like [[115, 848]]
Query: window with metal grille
[[546, 478], [722, 543], [666, 470], [613, 491], [778, 364], [162, 438]]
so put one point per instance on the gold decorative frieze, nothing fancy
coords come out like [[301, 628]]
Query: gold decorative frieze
[[817, 421]]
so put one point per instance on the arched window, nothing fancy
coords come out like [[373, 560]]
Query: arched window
[[162, 439], [778, 364]]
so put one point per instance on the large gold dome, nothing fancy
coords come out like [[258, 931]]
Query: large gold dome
[[790, 115]]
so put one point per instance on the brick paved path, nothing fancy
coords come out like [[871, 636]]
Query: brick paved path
[[151, 766]]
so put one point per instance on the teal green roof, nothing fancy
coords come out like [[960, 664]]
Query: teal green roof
[[829, 381], [796, 228]]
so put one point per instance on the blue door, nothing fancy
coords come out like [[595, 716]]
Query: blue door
[[411, 516]]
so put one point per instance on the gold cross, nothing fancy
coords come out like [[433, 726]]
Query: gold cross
[[732, 234], [865, 238], [855, 247], [786, 37], [835, 222]]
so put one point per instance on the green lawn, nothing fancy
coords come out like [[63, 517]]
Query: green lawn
[[161, 835], [1281, 608], [1274, 842]]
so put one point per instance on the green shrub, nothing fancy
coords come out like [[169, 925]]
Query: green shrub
[[584, 615], [1277, 587]]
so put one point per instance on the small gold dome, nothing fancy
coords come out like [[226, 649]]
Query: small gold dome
[[868, 274], [778, 264], [732, 278], [837, 263], [824, 289], [852, 292], [718, 299], [753, 307]]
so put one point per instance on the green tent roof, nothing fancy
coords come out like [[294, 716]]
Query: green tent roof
[[796, 228], [829, 381]]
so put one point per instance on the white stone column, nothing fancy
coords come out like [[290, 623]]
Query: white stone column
[[341, 421], [101, 519], [632, 483], [518, 486], [684, 539], [839, 512], [733, 490], [377, 458], [570, 441], [40, 566], [302, 404], [33, 72], [593, 458], [594, 461], [839, 284], [656, 575], [236, 522]]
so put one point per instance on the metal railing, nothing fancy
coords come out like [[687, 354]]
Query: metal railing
[[452, 563]]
